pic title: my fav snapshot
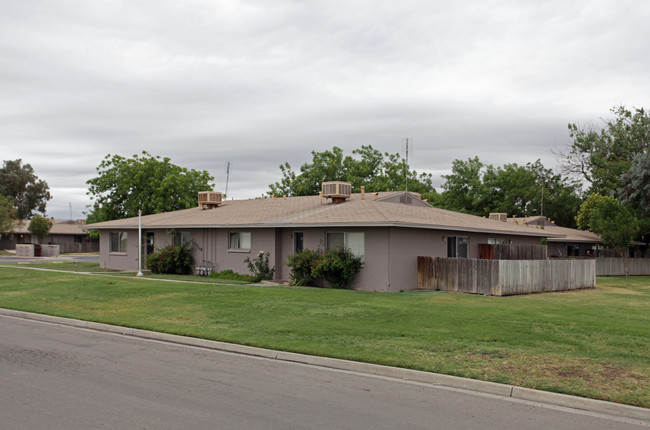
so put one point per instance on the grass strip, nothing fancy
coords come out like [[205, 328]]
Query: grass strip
[[72, 266], [591, 343], [187, 278]]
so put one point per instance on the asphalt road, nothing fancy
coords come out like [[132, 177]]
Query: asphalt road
[[59, 377]]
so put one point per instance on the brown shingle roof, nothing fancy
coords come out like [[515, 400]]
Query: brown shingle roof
[[314, 211], [59, 227], [567, 234]]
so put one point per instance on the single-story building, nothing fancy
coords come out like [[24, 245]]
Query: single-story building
[[570, 242], [389, 230], [71, 235], [573, 242]]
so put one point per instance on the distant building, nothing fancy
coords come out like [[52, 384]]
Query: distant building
[[70, 235], [570, 243]]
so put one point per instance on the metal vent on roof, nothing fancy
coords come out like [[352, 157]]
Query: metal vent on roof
[[406, 199], [209, 199], [337, 191]]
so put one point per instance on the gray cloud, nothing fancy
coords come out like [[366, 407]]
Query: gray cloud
[[257, 83]]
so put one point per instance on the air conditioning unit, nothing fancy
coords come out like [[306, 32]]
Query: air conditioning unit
[[503, 217], [209, 199], [337, 190]]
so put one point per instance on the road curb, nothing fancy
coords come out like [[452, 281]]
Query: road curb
[[556, 399]]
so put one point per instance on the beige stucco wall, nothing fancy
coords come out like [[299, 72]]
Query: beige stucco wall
[[407, 244], [373, 275], [391, 253], [161, 239], [120, 261], [129, 260], [211, 248]]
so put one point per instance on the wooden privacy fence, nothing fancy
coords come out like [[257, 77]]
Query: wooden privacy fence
[[79, 247], [616, 266], [512, 252], [504, 277]]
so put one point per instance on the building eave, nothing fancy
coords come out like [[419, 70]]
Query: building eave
[[382, 224]]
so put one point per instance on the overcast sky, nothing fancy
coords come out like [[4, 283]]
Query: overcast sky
[[258, 83]]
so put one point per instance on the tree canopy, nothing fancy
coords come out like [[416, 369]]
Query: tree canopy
[[149, 183], [615, 160], [602, 157], [607, 217], [370, 167], [7, 215], [480, 189], [40, 226], [26, 192], [472, 187], [635, 190]]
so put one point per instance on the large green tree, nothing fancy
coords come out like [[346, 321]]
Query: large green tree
[[325, 166], [27, 193], [366, 166], [40, 226], [615, 161], [464, 190], [635, 190], [149, 183], [613, 222], [7, 215], [603, 156], [520, 190]]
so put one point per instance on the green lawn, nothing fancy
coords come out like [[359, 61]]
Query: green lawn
[[185, 278], [74, 266], [592, 343]]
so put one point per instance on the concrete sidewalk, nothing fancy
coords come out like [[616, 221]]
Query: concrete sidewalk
[[526, 394], [13, 259]]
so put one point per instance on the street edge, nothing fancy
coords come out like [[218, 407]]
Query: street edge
[[528, 394]]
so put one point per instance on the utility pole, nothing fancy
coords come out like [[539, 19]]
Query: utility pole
[[406, 174], [227, 178]]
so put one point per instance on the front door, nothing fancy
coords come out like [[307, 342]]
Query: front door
[[149, 243]]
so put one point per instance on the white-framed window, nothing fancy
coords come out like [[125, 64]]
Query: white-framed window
[[352, 240], [239, 240], [118, 241], [457, 247], [496, 241]]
